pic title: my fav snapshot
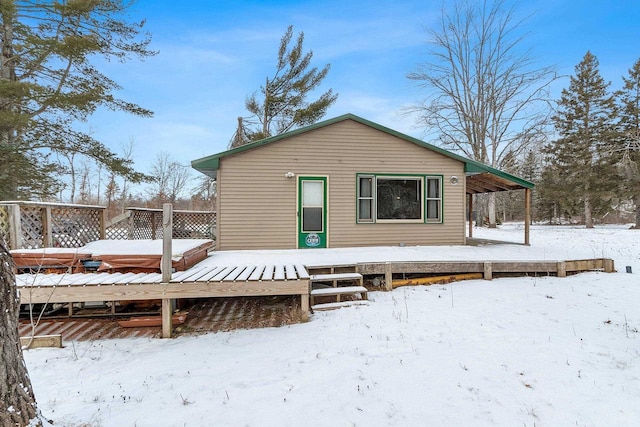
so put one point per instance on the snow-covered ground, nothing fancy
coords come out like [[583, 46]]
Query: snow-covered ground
[[509, 352]]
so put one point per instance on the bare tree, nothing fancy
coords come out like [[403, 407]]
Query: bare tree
[[70, 157], [485, 95], [127, 154], [17, 400], [204, 193], [110, 192], [85, 182], [170, 178]]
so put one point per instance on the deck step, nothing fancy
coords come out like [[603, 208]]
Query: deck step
[[336, 305], [337, 292], [335, 276], [341, 291]]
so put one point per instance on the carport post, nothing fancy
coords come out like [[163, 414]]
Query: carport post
[[167, 234], [470, 215], [527, 214]]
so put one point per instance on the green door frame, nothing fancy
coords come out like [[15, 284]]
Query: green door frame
[[316, 235]]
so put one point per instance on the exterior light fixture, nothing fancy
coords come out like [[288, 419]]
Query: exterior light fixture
[[453, 180], [289, 174]]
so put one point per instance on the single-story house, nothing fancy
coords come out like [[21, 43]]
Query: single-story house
[[347, 182]]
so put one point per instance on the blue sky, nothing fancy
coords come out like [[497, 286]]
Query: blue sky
[[212, 54]]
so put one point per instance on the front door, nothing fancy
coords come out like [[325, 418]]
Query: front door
[[312, 212]]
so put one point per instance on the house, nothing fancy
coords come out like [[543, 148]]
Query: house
[[347, 182]]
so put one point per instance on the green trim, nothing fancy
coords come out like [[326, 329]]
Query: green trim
[[374, 208], [210, 164]]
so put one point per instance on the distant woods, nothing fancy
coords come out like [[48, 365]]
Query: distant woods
[[487, 97]]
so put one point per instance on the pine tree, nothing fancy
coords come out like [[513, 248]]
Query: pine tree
[[48, 83], [580, 158], [629, 145], [282, 104]]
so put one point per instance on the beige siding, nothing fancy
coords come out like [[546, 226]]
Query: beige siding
[[257, 203]]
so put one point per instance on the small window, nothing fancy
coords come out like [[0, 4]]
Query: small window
[[434, 199], [365, 198]]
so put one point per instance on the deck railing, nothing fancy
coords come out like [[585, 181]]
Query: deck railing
[[143, 223], [32, 225]]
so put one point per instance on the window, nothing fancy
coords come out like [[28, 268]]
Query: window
[[365, 198], [399, 199], [434, 199], [312, 206]]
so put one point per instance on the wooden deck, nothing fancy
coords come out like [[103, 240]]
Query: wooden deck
[[263, 280], [197, 282], [488, 269]]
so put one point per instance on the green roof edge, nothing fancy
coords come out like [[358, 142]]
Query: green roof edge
[[212, 163]]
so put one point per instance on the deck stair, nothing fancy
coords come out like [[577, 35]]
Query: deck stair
[[333, 285]]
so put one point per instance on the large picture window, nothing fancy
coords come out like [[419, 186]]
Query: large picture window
[[399, 198]]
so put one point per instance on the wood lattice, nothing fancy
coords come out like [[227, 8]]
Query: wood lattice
[[147, 224], [73, 228], [41, 224], [32, 224], [5, 230], [194, 225]]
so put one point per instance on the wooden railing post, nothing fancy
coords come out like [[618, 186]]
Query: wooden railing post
[[47, 231], [167, 233], [15, 227], [103, 224], [132, 221]]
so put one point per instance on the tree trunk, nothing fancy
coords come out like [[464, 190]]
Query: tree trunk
[[636, 202], [588, 219], [492, 210], [17, 401]]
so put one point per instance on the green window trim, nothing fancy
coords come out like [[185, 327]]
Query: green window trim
[[371, 197]]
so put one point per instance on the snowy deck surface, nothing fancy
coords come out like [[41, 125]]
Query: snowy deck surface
[[124, 247], [560, 248], [195, 274]]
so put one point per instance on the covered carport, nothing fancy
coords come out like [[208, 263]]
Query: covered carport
[[480, 179]]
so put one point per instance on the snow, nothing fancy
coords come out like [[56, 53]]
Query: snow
[[125, 247], [142, 247], [548, 243], [523, 351]]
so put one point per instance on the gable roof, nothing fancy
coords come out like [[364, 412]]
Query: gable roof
[[481, 178]]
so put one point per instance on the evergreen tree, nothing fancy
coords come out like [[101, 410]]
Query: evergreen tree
[[48, 83], [282, 104], [629, 144], [580, 158]]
